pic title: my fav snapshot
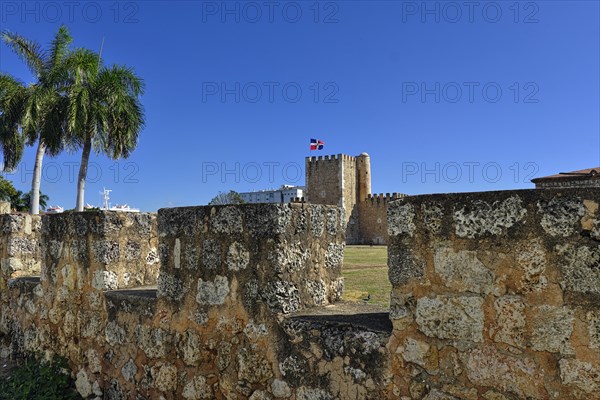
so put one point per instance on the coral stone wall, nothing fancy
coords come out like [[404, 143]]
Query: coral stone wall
[[266, 257], [82, 255], [496, 295], [19, 246], [218, 325], [102, 250]]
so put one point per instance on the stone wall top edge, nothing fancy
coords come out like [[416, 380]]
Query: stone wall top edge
[[92, 213], [246, 206], [590, 192]]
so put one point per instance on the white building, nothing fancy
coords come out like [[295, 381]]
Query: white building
[[284, 194]]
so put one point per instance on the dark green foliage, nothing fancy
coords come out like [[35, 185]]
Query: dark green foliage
[[232, 197], [7, 190], [26, 197], [39, 381], [19, 201]]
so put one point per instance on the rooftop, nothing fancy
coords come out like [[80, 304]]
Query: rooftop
[[582, 174]]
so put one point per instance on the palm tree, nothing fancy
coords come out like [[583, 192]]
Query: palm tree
[[12, 97], [17, 201], [36, 113], [26, 199], [105, 112]]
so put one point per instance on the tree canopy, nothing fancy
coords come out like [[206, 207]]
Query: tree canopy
[[232, 197]]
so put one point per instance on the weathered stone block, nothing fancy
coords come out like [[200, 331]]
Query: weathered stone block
[[449, 317], [4, 207], [433, 216], [227, 220], [520, 376], [481, 217], [584, 376], [560, 216], [400, 219], [197, 389], [462, 271], [551, 329], [238, 257], [420, 353], [212, 293], [531, 260], [404, 265], [509, 325], [593, 322], [579, 268], [435, 394], [335, 255], [282, 297]]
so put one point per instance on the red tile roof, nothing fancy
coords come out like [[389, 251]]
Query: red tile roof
[[582, 174]]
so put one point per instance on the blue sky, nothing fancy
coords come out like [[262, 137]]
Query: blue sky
[[445, 97]]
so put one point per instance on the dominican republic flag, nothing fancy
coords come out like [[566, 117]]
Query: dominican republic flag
[[316, 144]]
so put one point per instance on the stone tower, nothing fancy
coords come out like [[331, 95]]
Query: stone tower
[[363, 176], [340, 180]]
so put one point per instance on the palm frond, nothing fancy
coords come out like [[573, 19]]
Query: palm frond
[[12, 143], [8, 84], [83, 65], [28, 50], [58, 48], [122, 79], [54, 127]]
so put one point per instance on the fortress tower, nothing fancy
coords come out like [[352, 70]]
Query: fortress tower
[[363, 176], [345, 181]]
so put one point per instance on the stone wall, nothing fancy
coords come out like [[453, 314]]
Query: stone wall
[[82, 255], [104, 250], [19, 246], [496, 295], [221, 323], [372, 212]]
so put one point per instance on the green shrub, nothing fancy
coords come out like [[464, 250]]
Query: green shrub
[[39, 381]]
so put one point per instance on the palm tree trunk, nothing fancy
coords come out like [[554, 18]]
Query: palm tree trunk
[[37, 179], [85, 158]]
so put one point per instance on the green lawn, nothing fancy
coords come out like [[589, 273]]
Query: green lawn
[[365, 272], [365, 256]]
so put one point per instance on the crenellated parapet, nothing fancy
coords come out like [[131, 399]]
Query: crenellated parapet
[[383, 198], [216, 325], [264, 258], [331, 157], [494, 295]]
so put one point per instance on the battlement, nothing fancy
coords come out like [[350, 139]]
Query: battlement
[[227, 280], [383, 197], [332, 157], [244, 300]]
